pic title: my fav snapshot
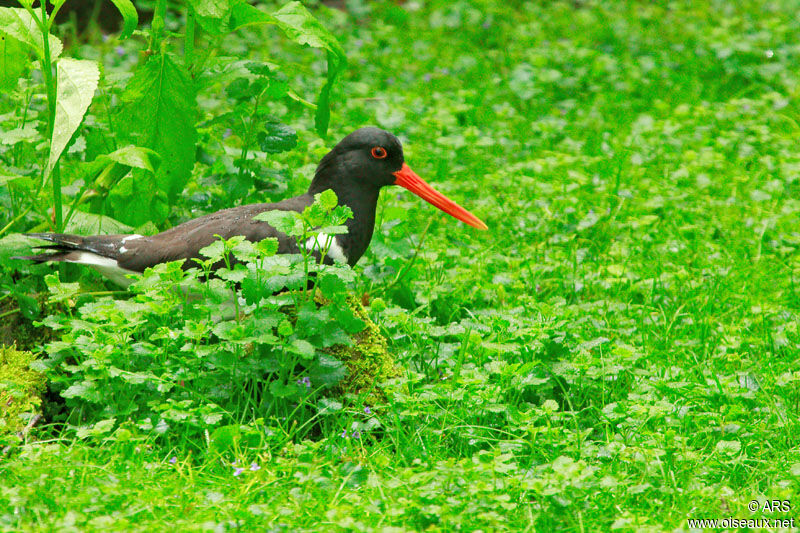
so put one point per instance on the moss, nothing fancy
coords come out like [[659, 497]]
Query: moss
[[20, 390], [368, 360]]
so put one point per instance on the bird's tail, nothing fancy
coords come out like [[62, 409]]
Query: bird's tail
[[70, 248]]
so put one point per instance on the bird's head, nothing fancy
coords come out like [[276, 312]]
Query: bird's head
[[371, 158]]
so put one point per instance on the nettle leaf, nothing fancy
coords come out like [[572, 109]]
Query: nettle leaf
[[158, 112], [137, 199], [212, 15], [130, 19], [277, 138], [13, 61], [19, 24], [300, 25], [77, 81], [287, 222]]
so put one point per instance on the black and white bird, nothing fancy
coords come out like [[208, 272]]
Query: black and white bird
[[356, 169]]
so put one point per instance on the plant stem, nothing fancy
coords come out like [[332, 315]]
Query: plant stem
[[15, 219], [247, 137], [157, 26], [188, 42], [50, 82]]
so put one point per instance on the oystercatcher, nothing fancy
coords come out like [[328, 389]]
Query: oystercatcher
[[355, 169]]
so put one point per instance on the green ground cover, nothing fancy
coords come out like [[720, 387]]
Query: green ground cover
[[618, 351]]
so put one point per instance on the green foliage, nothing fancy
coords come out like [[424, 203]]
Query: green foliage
[[192, 353], [617, 353], [158, 112], [20, 391]]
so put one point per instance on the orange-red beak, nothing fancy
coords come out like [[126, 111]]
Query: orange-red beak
[[408, 178]]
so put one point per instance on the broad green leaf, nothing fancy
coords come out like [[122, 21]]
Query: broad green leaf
[[130, 19], [159, 111], [136, 157], [19, 24], [93, 224], [108, 169], [282, 390], [300, 25], [59, 291], [25, 133], [277, 138], [224, 437], [13, 61], [6, 180], [329, 406], [15, 244], [212, 15], [138, 198], [243, 14], [77, 81], [28, 305]]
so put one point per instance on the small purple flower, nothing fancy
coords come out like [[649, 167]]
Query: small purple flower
[[305, 381], [105, 38], [357, 434], [254, 467], [120, 51], [427, 77], [344, 434], [173, 460], [367, 410], [238, 471], [235, 462], [227, 133]]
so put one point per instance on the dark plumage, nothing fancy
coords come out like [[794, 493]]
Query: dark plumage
[[355, 169]]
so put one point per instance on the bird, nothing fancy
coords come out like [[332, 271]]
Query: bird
[[356, 169]]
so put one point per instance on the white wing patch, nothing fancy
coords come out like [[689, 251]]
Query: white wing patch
[[133, 237], [105, 265], [323, 242]]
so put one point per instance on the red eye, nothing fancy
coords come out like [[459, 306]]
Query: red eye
[[378, 152]]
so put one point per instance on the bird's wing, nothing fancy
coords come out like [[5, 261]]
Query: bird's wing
[[186, 240]]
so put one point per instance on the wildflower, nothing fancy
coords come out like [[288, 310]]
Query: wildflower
[[344, 434], [173, 460], [238, 471], [367, 410], [120, 51], [305, 381], [357, 434], [427, 77], [254, 467]]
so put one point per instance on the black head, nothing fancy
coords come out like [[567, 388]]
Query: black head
[[371, 158], [367, 158]]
